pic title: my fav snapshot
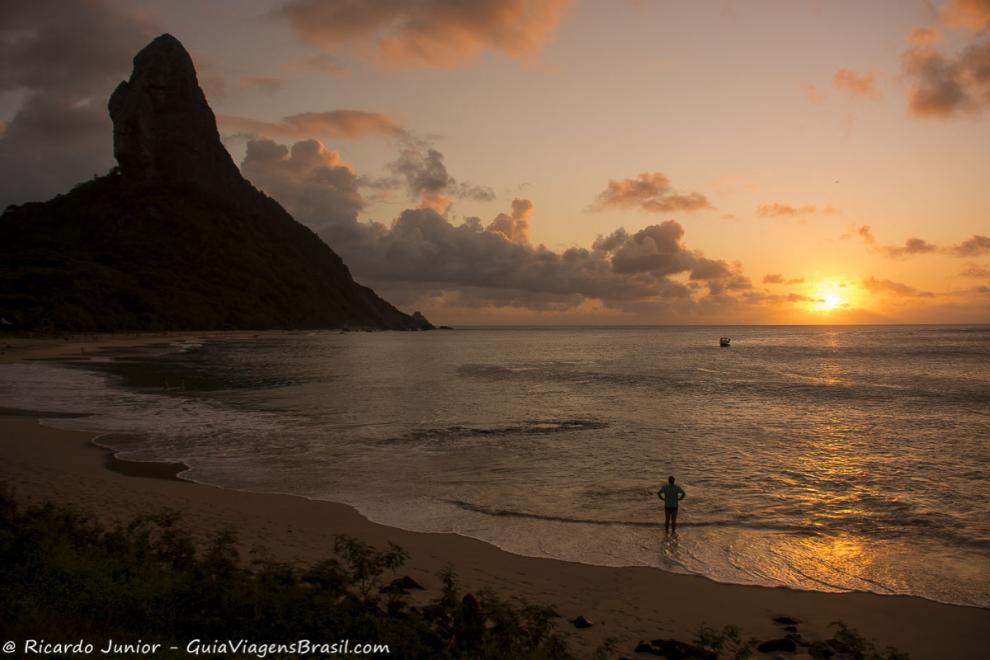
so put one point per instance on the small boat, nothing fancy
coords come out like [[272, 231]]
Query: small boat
[[723, 341]]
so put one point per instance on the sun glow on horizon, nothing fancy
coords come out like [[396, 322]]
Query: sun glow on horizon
[[830, 296], [830, 301]]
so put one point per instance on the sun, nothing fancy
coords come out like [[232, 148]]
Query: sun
[[830, 301], [830, 296]]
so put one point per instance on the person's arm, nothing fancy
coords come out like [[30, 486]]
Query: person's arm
[[681, 495], [660, 495]]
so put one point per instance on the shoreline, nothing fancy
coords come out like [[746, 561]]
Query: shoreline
[[631, 603], [173, 471]]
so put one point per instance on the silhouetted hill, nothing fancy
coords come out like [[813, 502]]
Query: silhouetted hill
[[174, 238]]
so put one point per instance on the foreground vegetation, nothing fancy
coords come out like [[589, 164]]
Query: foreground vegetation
[[66, 577]]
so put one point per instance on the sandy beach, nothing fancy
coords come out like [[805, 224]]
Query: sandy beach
[[632, 604]]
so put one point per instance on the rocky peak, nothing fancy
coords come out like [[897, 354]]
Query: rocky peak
[[164, 132]]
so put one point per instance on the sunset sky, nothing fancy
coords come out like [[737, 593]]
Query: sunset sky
[[504, 161]]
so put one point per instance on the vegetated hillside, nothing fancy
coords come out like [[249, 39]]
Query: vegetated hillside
[[104, 257]]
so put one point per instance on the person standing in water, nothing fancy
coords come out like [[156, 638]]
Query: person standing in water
[[671, 494]]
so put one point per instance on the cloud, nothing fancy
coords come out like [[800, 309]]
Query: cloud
[[856, 85], [941, 86], [971, 14], [777, 278], [427, 179], [515, 227], [325, 63], [658, 250], [814, 95], [426, 33], [864, 232], [351, 124], [422, 257], [484, 265], [65, 59], [873, 285], [974, 246], [911, 246], [266, 84], [317, 187], [650, 191], [216, 85], [972, 270], [776, 210]]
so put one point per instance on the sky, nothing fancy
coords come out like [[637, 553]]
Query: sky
[[569, 162]]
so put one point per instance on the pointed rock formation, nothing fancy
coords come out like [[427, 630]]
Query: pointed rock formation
[[175, 238], [164, 132]]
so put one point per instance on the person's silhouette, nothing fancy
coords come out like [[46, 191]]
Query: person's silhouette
[[671, 494]]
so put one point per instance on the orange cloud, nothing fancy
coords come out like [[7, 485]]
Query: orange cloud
[[972, 270], [427, 33], [873, 285], [814, 95], [325, 63], [777, 210], [865, 233], [354, 124], [650, 191], [777, 278], [943, 86], [855, 85], [515, 228], [318, 185], [265, 84], [435, 201], [974, 246], [971, 14], [924, 36], [911, 246]]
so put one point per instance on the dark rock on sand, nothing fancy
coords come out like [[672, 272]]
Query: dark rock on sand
[[773, 645], [646, 647], [674, 649], [174, 238], [581, 622], [821, 650]]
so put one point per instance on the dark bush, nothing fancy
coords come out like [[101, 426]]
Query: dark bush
[[67, 577]]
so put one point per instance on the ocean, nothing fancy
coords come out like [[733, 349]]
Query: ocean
[[822, 458]]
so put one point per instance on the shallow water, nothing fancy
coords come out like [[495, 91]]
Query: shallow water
[[813, 457]]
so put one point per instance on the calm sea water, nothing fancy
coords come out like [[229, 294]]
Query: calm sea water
[[825, 458]]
